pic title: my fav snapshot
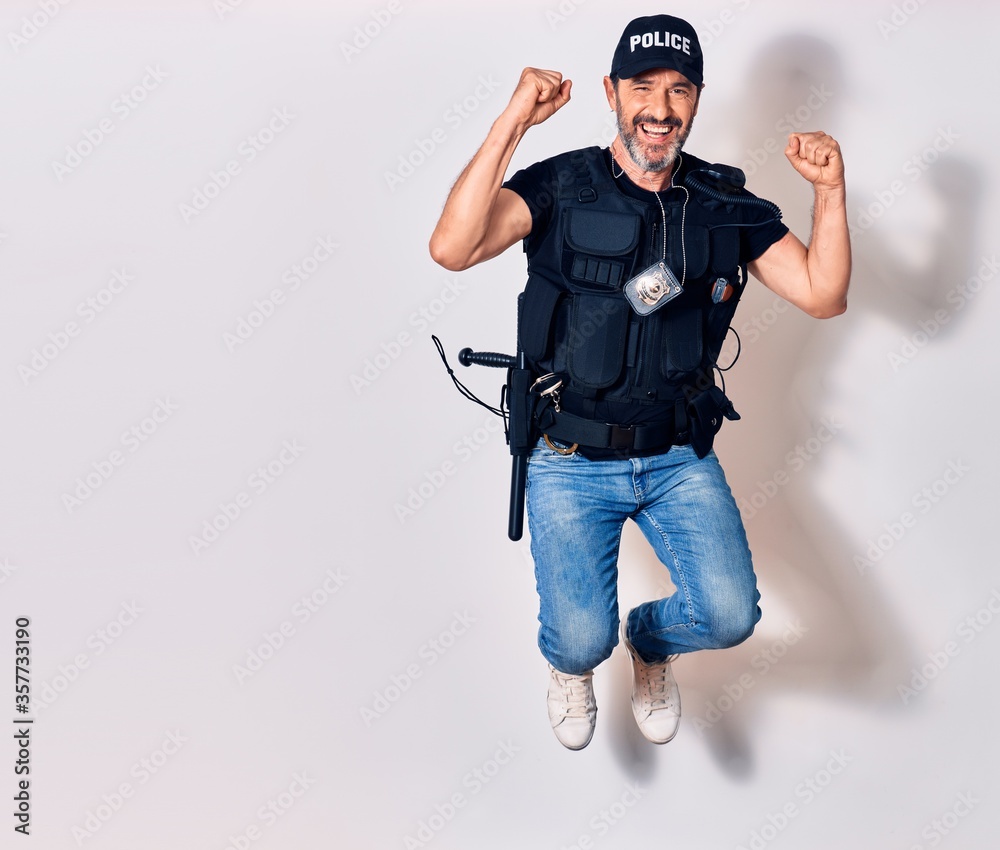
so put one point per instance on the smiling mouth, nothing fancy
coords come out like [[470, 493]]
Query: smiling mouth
[[656, 132]]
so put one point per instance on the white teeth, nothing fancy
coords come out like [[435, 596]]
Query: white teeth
[[655, 131]]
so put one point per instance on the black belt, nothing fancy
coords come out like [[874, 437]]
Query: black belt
[[568, 428]]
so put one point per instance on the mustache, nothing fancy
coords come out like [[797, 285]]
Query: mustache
[[670, 122]]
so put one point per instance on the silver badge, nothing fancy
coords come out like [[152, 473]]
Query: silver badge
[[652, 288]]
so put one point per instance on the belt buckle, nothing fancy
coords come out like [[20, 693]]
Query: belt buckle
[[622, 437]]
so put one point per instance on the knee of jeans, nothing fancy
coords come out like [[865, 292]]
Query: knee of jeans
[[733, 627], [577, 651]]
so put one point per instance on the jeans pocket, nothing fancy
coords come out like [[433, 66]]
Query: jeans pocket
[[560, 453]]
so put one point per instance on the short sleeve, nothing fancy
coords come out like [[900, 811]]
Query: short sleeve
[[537, 187], [763, 231]]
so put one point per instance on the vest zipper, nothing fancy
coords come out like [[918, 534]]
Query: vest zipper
[[650, 344], [641, 331]]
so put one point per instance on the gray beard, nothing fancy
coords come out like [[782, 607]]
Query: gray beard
[[631, 142]]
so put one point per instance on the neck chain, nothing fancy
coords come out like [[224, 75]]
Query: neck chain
[[663, 211]]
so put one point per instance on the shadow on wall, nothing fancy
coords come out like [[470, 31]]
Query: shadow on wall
[[827, 630]]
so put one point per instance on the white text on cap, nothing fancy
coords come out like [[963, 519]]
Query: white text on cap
[[652, 39]]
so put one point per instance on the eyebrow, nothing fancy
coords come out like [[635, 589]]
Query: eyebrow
[[645, 81]]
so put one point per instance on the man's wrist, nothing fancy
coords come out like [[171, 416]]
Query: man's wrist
[[509, 128], [830, 197]]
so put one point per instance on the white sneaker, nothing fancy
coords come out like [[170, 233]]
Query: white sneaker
[[656, 700], [572, 708]]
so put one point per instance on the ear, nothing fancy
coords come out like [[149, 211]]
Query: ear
[[697, 100], [609, 90]]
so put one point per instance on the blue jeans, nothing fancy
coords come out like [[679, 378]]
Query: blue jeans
[[576, 510]]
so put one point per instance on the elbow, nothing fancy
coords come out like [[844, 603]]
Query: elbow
[[833, 300], [444, 255], [828, 310]]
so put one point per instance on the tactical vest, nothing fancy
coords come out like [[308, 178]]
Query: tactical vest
[[575, 320]]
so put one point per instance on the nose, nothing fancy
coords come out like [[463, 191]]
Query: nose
[[659, 107]]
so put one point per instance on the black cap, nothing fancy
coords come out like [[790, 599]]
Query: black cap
[[659, 41]]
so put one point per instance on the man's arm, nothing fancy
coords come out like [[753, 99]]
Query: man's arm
[[814, 279], [480, 219]]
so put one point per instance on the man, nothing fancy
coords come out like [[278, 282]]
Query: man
[[635, 267]]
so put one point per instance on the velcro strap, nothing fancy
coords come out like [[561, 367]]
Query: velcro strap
[[568, 428]]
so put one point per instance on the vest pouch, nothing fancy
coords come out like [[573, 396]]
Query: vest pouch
[[725, 251], [681, 344], [706, 412], [692, 262], [541, 297], [725, 263], [595, 344], [719, 319], [598, 245]]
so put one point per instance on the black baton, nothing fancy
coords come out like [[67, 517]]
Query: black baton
[[519, 421]]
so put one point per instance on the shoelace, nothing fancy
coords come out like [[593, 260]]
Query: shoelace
[[653, 680], [575, 695]]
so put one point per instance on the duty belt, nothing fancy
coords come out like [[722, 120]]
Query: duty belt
[[568, 428]]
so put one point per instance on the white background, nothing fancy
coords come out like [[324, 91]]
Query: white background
[[416, 666]]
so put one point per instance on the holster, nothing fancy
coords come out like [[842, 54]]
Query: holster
[[705, 413], [521, 436]]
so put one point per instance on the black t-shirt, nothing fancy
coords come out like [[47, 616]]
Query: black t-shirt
[[536, 182]]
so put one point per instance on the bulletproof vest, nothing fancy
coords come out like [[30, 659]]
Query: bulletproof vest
[[575, 320]]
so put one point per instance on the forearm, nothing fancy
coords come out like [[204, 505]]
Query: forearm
[[828, 257], [814, 279], [479, 219], [465, 224]]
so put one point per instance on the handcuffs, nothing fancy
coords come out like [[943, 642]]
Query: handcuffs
[[548, 386]]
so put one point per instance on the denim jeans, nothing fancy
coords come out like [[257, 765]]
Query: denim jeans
[[684, 507]]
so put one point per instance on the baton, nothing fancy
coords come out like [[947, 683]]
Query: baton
[[515, 396]]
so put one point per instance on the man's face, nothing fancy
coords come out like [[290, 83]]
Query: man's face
[[655, 112]]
